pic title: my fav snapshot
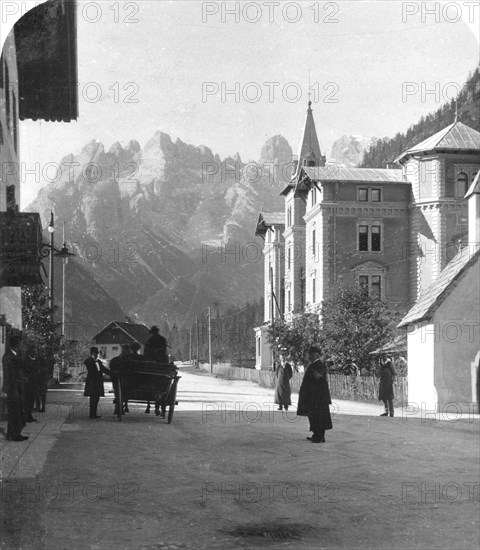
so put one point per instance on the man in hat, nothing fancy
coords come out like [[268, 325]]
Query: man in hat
[[314, 397], [387, 374], [13, 386], [156, 346], [94, 382]]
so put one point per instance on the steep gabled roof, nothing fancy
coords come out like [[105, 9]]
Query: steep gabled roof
[[124, 333], [457, 137], [268, 219], [436, 293]]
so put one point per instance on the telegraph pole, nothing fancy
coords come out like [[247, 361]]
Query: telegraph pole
[[190, 355], [209, 314], [198, 341]]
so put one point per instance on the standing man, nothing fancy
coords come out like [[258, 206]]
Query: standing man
[[156, 346], [314, 397], [31, 376], [94, 382], [385, 390], [13, 386]]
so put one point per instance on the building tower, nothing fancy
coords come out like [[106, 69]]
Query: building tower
[[309, 155], [440, 169]]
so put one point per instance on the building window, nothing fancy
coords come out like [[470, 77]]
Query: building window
[[289, 257], [371, 285], [375, 238], [289, 216], [314, 289], [289, 303], [462, 183], [269, 272], [369, 238], [366, 194], [314, 243], [314, 196], [259, 351], [363, 237]]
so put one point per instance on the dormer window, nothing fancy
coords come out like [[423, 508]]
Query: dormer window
[[314, 196]]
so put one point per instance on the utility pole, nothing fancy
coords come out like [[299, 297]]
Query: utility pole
[[190, 355], [198, 341], [272, 312], [51, 230], [209, 314]]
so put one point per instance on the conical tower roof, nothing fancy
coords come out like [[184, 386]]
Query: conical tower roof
[[310, 154]]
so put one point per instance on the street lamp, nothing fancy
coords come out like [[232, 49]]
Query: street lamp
[[65, 255]]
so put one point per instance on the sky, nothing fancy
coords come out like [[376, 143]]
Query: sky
[[160, 65]]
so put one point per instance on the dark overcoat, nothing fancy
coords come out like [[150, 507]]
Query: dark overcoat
[[156, 348], [314, 393], [282, 390], [386, 373], [94, 381], [14, 387]]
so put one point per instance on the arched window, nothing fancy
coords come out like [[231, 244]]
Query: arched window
[[462, 183]]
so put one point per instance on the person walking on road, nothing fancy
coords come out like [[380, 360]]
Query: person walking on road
[[282, 390], [314, 397], [387, 374], [14, 387], [94, 382]]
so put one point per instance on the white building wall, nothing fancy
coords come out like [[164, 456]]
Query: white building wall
[[421, 353]]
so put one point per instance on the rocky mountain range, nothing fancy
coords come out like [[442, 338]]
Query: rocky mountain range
[[348, 151], [165, 230]]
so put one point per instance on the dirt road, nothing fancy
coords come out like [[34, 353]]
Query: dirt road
[[230, 472]]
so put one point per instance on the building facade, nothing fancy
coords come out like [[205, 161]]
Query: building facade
[[390, 230], [38, 81]]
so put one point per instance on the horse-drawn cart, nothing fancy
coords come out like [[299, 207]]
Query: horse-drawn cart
[[145, 382]]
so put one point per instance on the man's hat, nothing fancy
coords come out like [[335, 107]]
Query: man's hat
[[314, 349], [154, 329], [93, 350]]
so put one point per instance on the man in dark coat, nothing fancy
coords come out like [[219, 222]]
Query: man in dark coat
[[387, 374], [94, 382], [116, 365], [156, 347], [31, 367], [43, 374], [13, 386], [314, 397]]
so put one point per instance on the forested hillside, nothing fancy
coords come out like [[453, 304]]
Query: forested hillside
[[387, 149]]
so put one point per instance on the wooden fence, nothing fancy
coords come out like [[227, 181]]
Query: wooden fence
[[348, 387]]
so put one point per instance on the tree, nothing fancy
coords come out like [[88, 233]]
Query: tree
[[294, 339], [353, 325], [347, 328], [37, 320]]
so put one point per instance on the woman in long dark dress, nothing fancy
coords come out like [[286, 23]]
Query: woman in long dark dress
[[283, 391]]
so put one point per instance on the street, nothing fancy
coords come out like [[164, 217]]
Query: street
[[230, 472]]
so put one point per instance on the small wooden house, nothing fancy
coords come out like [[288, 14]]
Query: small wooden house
[[110, 339]]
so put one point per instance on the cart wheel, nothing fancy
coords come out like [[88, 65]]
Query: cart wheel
[[172, 403], [119, 401]]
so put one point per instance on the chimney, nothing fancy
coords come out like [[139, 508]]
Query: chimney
[[473, 196]]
